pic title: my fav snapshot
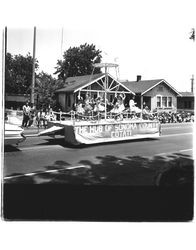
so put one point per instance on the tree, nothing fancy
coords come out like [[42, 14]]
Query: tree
[[78, 61], [45, 90], [18, 73]]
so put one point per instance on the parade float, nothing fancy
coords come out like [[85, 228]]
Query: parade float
[[101, 124]]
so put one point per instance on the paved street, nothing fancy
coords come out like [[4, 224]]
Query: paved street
[[44, 159], [142, 180]]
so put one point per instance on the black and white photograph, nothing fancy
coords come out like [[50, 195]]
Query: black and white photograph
[[98, 124], [98, 114], [86, 110]]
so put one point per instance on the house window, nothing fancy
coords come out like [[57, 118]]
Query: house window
[[170, 102], [158, 101], [164, 101]]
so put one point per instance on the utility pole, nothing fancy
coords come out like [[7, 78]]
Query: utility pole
[[5, 57], [5, 41], [33, 69], [3, 60], [61, 43]]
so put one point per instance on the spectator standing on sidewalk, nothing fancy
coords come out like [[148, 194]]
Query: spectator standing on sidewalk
[[52, 115], [41, 119], [58, 114], [46, 118], [192, 117], [26, 113], [32, 115]]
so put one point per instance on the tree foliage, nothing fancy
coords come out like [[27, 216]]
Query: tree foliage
[[45, 89], [18, 73], [78, 61]]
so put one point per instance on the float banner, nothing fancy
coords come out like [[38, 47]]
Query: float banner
[[120, 130]]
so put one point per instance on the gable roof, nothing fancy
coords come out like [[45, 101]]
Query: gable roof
[[76, 82], [187, 94], [144, 86]]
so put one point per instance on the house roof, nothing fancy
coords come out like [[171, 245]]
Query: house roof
[[76, 82], [187, 94], [146, 85]]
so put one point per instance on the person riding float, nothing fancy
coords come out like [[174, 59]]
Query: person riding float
[[119, 103], [99, 107], [87, 105], [79, 106], [132, 106]]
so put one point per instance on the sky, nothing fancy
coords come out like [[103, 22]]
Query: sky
[[148, 38]]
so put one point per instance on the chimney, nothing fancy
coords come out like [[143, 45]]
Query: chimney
[[139, 77], [192, 84]]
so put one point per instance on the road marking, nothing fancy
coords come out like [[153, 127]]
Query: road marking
[[14, 176], [29, 174], [47, 171], [184, 150], [51, 171], [79, 166]]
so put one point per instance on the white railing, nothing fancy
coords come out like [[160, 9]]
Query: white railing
[[94, 116]]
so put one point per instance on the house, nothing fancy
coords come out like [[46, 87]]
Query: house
[[185, 102], [157, 94], [16, 101], [103, 85]]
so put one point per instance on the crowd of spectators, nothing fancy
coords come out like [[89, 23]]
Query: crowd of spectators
[[32, 117], [170, 117]]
